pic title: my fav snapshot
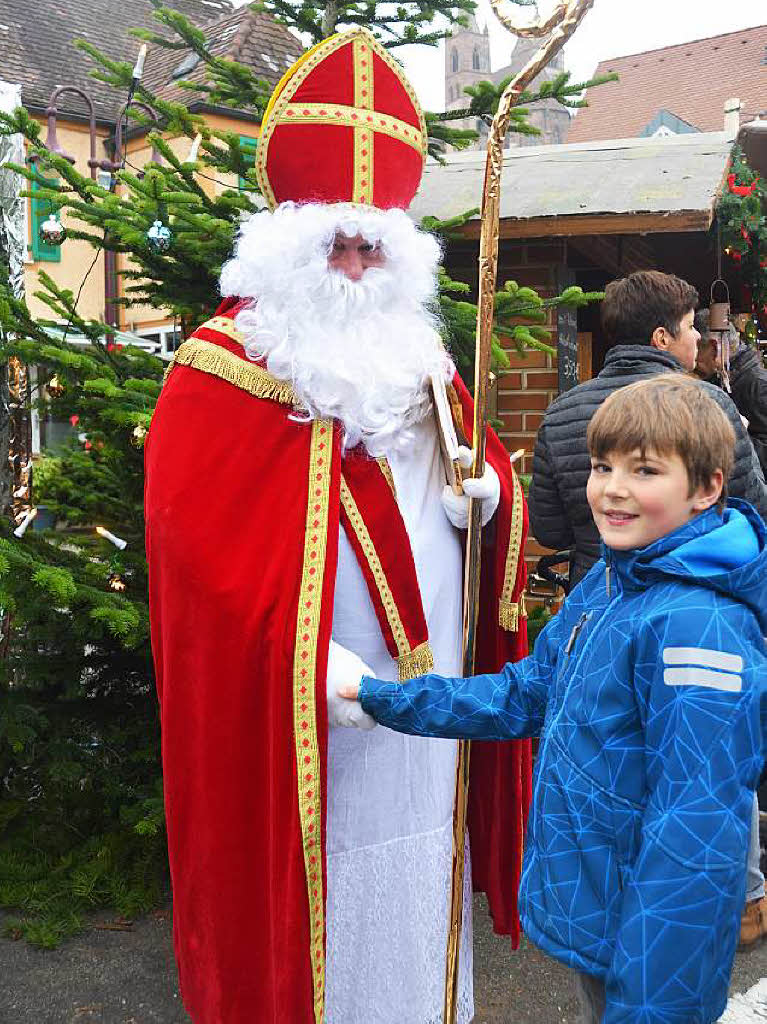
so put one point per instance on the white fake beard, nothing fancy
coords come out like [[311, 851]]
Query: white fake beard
[[360, 351]]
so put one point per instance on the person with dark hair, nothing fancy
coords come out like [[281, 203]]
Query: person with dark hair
[[648, 318], [747, 377]]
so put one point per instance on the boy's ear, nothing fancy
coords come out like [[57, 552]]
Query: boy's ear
[[707, 495]]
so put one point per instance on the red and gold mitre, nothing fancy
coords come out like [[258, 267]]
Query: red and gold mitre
[[343, 126]]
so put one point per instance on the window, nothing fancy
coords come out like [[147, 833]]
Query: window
[[41, 209], [248, 146], [475, 59], [167, 339], [454, 59]]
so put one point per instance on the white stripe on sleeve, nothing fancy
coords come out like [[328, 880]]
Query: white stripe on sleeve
[[692, 675], [704, 657]]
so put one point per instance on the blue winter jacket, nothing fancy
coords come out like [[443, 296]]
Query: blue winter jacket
[[645, 690]]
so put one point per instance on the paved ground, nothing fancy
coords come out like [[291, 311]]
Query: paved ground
[[128, 977]]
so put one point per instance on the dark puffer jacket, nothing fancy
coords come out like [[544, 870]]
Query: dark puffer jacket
[[559, 513], [748, 379]]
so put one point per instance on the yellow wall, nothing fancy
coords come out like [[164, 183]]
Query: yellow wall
[[76, 256]]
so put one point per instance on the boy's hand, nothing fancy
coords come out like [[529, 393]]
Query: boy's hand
[[486, 488], [345, 672]]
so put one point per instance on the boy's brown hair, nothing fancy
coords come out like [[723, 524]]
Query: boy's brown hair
[[634, 306], [670, 414]]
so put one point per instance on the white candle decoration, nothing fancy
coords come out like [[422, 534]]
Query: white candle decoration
[[138, 70], [193, 149], [117, 541], [21, 529]]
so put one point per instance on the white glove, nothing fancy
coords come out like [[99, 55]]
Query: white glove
[[345, 668], [487, 488]]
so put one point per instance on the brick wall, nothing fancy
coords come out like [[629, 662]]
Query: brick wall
[[530, 384]]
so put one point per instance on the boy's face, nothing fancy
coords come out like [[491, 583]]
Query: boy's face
[[635, 500]]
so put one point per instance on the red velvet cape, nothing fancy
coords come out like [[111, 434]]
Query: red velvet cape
[[242, 512]]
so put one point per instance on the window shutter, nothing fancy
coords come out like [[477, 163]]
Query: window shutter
[[248, 147], [41, 209]]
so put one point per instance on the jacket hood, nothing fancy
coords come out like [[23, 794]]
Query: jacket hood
[[724, 552], [635, 358]]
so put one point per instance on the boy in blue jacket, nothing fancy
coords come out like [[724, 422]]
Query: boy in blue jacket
[[645, 692]]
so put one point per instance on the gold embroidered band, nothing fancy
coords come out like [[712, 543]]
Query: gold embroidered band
[[361, 117], [363, 120], [509, 610], [410, 661], [383, 465], [304, 703]]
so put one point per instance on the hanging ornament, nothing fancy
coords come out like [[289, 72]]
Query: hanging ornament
[[137, 438], [741, 190], [52, 231], [116, 582], [55, 387], [158, 237]]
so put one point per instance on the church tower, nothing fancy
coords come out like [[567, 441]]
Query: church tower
[[467, 61]]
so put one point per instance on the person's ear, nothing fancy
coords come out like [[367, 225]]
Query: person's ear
[[707, 495], [659, 338]]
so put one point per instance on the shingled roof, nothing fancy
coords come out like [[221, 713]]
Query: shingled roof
[[256, 40], [691, 81], [37, 47]]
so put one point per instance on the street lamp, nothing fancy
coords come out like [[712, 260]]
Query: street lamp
[[106, 165]]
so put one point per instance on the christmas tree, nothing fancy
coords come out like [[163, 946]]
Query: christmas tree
[[742, 216], [81, 806]]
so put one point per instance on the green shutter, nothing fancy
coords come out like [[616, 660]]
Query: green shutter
[[248, 147], [41, 208]]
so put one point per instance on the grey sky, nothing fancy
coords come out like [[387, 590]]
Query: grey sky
[[612, 28]]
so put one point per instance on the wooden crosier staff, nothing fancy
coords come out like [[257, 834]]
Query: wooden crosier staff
[[558, 27]]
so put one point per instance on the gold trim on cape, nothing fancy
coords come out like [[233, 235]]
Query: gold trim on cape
[[383, 465], [417, 663], [304, 698], [509, 610], [224, 326], [411, 662], [220, 362]]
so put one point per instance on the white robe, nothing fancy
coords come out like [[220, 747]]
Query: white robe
[[390, 796]]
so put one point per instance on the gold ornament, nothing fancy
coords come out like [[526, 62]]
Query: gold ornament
[[116, 582], [137, 438]]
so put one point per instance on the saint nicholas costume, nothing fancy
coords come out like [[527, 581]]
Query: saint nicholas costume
[[311, 867]]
